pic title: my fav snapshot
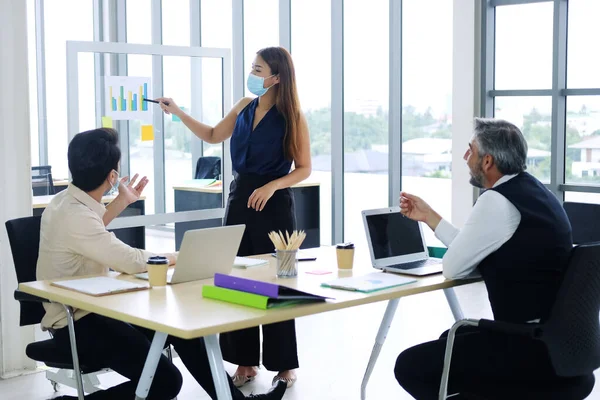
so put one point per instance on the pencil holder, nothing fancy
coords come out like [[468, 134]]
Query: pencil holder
[[287, 263]]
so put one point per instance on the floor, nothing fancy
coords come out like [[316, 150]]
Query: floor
[[334, 350]]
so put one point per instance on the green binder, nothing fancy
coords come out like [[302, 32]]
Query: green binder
[[245, 299]]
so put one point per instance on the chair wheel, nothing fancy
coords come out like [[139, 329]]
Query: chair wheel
[[55, 386]]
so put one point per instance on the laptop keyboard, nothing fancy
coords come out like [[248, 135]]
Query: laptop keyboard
[[416, 264]]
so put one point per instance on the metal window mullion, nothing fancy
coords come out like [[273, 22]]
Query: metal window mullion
[[157, 117], [559, 73], [238, 48], [488, 53], [285, 24], [197, 145], [395, 105], [496, 3], [520, 92], [98, 60], [40, 67], [579, 188], [580, 92], [337, 120], [236, 77], [117, 17]]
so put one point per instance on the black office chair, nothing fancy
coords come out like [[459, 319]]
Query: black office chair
[[208, 168], [571, 334], [582, 217], [24, 238], [41, 180]]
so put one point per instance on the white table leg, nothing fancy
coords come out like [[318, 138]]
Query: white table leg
[[384, 328], [215, 359], [156, 349], [454, 304]]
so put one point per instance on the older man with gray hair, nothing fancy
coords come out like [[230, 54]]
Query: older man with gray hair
[[518, 239]]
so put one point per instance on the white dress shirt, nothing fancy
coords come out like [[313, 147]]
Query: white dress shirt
[[75, 242], [492, 222]]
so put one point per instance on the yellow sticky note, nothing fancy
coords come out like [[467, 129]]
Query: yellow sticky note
[[147, 133], [107, 122]]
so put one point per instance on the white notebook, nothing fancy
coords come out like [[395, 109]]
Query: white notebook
[[100, 285], [245, 262]]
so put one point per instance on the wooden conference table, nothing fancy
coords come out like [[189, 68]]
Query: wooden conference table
[[180, 310]]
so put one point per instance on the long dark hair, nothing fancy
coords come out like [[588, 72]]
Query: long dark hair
[[287, 103]]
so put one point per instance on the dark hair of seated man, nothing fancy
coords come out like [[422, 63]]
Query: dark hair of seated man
[[92, 155]]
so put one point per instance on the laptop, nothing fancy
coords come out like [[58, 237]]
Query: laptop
[[396, 243], [205, 252]]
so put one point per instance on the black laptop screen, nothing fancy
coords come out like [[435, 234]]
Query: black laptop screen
[[394, 235]]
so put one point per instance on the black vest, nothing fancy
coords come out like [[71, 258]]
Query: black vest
[[522, 277]]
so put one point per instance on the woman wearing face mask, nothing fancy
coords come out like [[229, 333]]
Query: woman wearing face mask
[[267, 133]]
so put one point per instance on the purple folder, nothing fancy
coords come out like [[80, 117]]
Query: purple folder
[[270, 290]]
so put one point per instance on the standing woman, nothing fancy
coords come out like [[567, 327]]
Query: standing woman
[[267, 133]]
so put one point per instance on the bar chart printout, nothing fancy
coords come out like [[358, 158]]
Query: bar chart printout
[[124, 95]]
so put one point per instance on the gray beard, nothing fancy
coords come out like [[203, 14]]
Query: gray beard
[[476, 182]]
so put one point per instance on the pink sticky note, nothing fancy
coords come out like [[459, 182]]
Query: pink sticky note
[[318, 272]]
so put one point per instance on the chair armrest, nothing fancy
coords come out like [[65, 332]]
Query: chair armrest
[[22, 296], [533, 331]]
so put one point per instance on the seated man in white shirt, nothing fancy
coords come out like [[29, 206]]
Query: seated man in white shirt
[[74, 241], [518, 239]]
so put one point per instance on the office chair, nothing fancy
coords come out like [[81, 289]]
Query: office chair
[[41, 180], [580, 215], [208, 168], [24, 238], [571, 334]]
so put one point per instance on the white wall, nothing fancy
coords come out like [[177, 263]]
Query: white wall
[[15, 186], [463, 106]]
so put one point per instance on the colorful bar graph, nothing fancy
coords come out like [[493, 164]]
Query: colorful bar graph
[[125, 97]]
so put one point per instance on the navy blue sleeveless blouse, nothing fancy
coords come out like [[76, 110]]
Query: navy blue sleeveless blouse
[[260, 151]]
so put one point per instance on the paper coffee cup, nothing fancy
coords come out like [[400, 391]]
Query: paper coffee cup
[[157, 271], [345, 255]]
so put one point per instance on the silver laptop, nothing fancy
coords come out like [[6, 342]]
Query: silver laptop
[[396, 243], [205, 252]]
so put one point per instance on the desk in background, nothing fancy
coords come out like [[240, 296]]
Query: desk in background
[[194, 195], [135, 237], [60, 185]]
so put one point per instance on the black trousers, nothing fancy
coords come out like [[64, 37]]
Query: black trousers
[[484, 366], [242, 347], [105, 342]]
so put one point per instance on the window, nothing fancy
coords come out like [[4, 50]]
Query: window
[[583, 62], [175, 22], [261, 29], [533, 115], [427, 103], [57, 33], [583, 139], [524, 46], [366, 100], [311, 23], [216, 32]]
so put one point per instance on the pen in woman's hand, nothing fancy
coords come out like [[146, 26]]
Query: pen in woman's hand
[[166, 103]]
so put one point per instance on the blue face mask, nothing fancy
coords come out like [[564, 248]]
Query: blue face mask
[[115, 187], [256, 85]]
